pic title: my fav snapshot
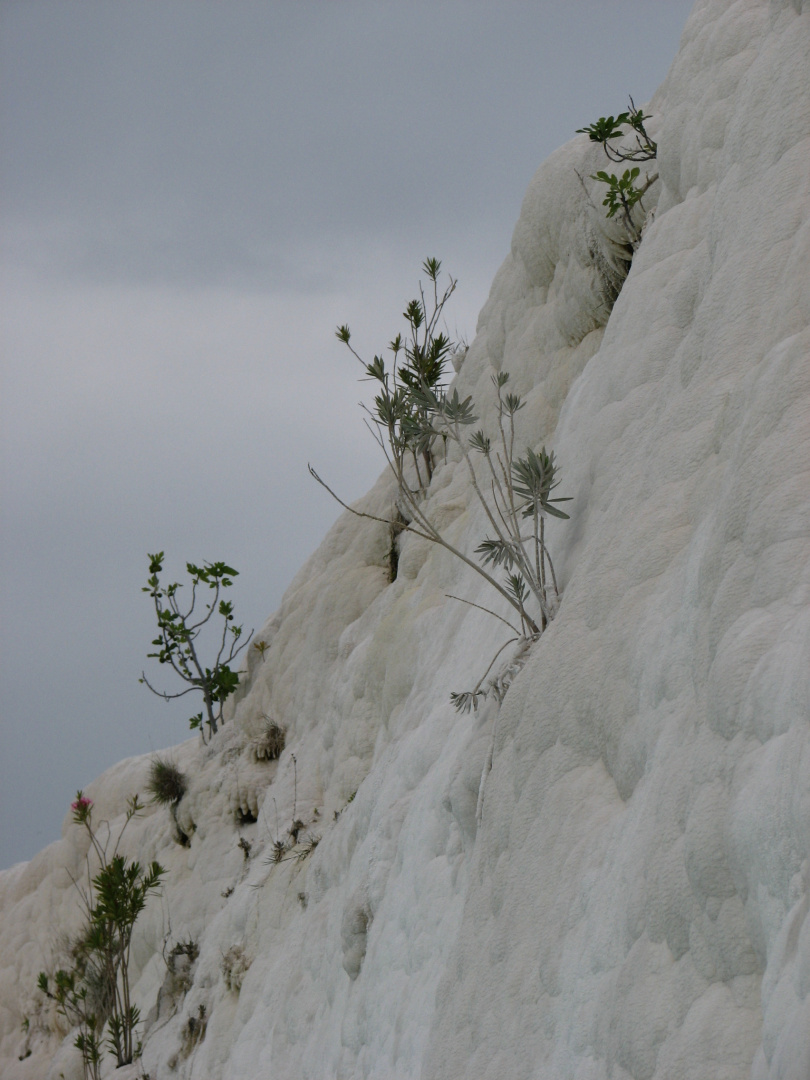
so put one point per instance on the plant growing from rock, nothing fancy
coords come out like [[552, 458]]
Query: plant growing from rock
[[268, 746], [414, 414], [180, 966], [166, 784], [398, 417], [623, 192], [278, 849], [307, 846], [70, 994], [235, 965], [191, 1035], [96, 988], [290, 845], [179, 630], [608, 129]]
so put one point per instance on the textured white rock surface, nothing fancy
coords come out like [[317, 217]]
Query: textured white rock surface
[[632, 900]]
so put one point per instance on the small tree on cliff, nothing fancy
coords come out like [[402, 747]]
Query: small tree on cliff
[[94, 989], [178, 633]]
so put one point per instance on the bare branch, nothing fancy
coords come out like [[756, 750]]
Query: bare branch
[[489, 611]]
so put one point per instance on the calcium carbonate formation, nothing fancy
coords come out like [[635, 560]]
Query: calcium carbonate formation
[[607, 875]]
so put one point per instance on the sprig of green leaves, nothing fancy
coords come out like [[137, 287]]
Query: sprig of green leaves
[[178, 631]]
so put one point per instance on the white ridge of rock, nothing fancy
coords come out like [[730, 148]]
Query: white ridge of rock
[[626, 893]]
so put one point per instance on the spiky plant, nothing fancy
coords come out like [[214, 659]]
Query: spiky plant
[[413, 415], [269, 745], [308, 845], [166, 784], [419, 359], [278, 849]]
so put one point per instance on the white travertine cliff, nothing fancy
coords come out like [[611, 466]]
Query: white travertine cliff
[[608, 877]]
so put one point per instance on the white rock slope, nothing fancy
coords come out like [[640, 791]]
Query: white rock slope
[[630, 898]]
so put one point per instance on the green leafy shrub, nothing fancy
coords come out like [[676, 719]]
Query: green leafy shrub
[[70, 994], [95, 989], [413, 414], [166, 784], [178, 634], [608, 129], [623, 192]]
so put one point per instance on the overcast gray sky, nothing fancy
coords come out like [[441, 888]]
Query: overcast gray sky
[[192, 197]]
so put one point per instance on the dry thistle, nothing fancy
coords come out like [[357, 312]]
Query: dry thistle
[[278, 849], [270, 744]]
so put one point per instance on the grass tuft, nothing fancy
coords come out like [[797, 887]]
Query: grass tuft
[[166, 784]]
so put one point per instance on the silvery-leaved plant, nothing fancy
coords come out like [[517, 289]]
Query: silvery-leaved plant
[[398, 418], [414, 414]]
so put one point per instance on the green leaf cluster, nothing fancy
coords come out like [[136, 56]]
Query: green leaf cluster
[[534, 480], [70, 994], [622, 194], [607, 129], [625, 191], [121, 891], [95, 990], [178, 631]]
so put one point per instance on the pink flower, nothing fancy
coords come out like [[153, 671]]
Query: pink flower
[[81, 808]]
